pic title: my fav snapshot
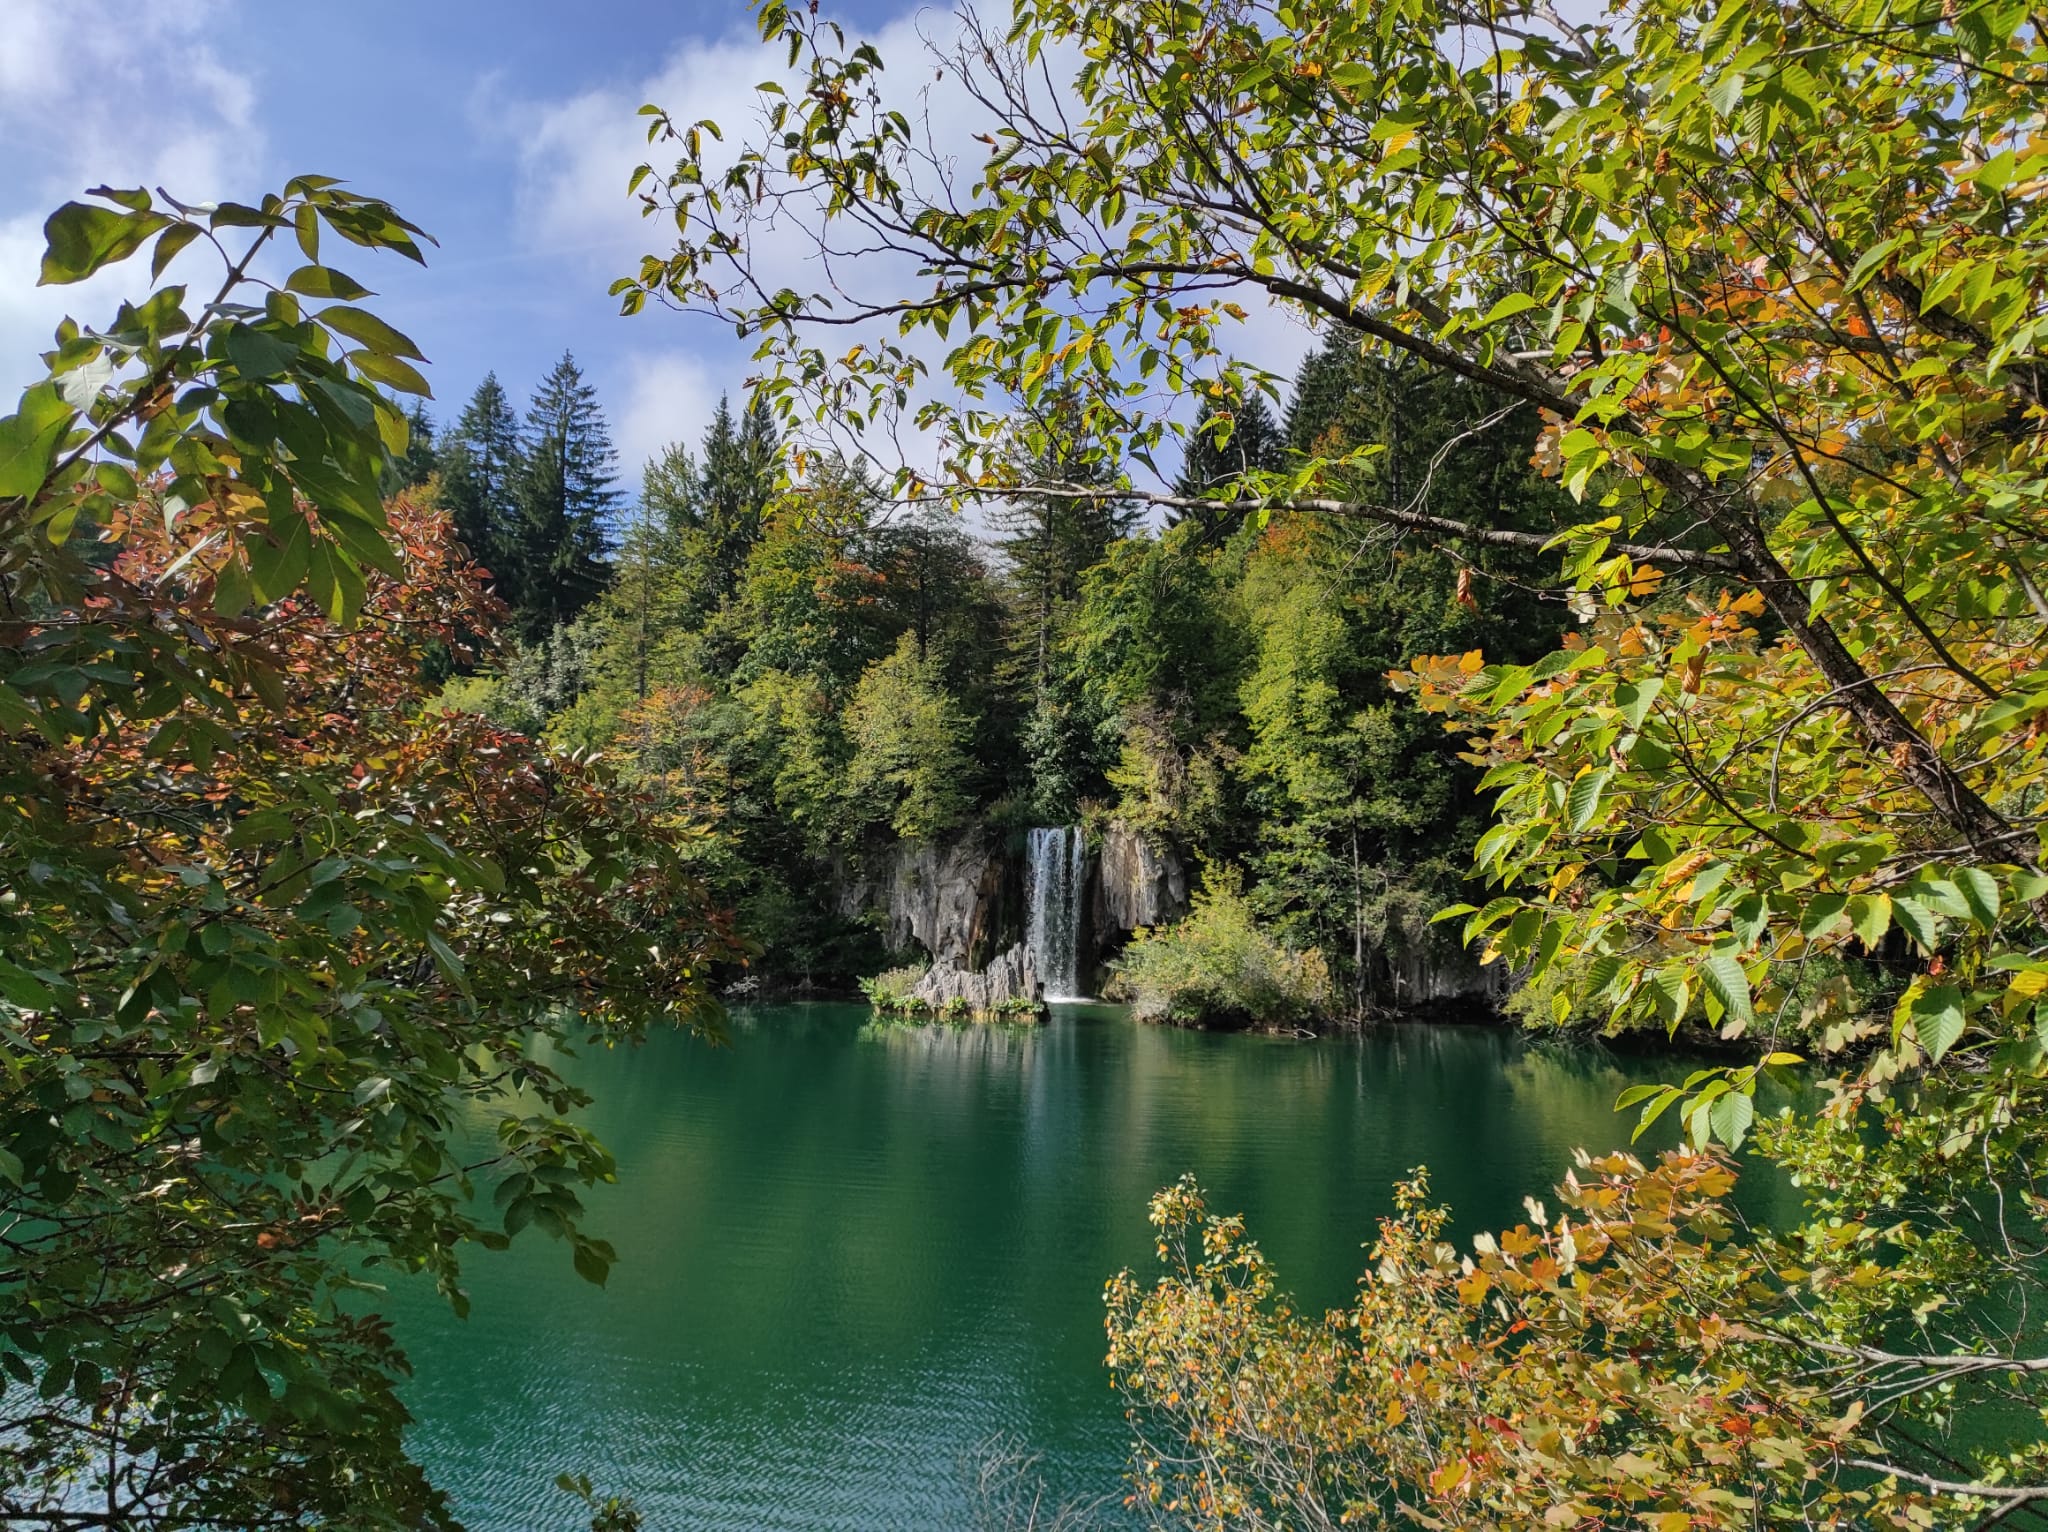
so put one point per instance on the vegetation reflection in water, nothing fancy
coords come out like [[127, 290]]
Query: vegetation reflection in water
[[851, 1252]]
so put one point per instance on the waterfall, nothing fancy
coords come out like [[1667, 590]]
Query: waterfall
[[1056, 876]]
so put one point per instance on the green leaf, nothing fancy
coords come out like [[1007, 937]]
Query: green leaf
[[1938, 1019], [1512, 304], [175, 238], [1749, 917], [391, 372], [79, 239], [1820, 915], [365, 328], [1583, 802], [1670, 994], [1979, 891], [324, 282], [29, 440], [278, 563], [1728, 984], [1731, 1116], [1917, 921], [1657, 1107], [1870, 916], [1871, 259], [591, 1266], [258, 353], [1634, 699], [1726, 94]]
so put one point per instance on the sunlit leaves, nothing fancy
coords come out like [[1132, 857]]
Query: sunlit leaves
[[1477, 1386], [29, 439], [79, 238], [275, 925]]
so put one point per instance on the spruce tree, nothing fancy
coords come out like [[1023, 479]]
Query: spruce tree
[[1047, 540], [420, 461], [566, 503], [735, 488], [1255, 446], [481, 463]]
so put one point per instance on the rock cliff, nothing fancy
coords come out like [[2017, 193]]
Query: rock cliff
[[948, 898], [1009, 981], [1138, 883]]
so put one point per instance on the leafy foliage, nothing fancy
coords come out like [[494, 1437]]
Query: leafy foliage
[[1768, 274], [1220, 966], [270, 928], [1504, 1388]]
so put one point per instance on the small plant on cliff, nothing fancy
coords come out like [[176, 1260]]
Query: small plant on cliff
[[892, 993], [1219, 966]]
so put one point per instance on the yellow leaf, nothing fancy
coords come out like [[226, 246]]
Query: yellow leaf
[[1448, 1477]]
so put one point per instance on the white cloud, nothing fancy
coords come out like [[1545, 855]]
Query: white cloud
[[166, 111], [669, 397], [577, 153]]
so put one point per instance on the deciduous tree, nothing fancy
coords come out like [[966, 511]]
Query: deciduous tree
[[272, 926]]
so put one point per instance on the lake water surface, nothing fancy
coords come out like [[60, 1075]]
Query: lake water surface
[[850, 1254]]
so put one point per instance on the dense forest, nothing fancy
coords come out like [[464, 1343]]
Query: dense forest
[[1642, 584], [820, 672]]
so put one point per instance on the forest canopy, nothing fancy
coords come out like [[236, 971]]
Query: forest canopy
[[1768, 274], [1638, 578]]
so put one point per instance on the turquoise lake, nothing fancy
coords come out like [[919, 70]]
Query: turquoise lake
[[850, 1255]]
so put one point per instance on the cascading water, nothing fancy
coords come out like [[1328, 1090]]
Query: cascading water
[[1055, 877]]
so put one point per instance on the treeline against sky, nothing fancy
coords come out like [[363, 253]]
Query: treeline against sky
[[816, 673]]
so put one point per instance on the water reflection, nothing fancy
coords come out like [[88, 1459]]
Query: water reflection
[[849, 1252]]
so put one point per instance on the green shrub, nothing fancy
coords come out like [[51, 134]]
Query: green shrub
[[1219, 967], [891, 992]]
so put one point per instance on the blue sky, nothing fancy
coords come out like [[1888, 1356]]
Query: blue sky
[[506, 128]]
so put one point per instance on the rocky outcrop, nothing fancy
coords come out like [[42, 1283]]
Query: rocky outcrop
[[1007, 987], [1138, 883], [946, 898]]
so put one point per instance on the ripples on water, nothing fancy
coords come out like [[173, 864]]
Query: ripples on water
[[849, 1253]]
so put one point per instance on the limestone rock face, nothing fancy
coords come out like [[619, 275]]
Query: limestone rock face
[[1138, 883], [1010, 977], [946, 898]]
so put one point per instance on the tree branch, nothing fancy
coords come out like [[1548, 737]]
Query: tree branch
[[1386, 515]]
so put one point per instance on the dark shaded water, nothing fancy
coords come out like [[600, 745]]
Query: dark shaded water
[[848, 1254]]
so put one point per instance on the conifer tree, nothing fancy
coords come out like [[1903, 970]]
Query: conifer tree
[[481, 462], [1255, 445], [668, 492], [566, 502], [1047, 540], [420, 461], [734, 487]]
